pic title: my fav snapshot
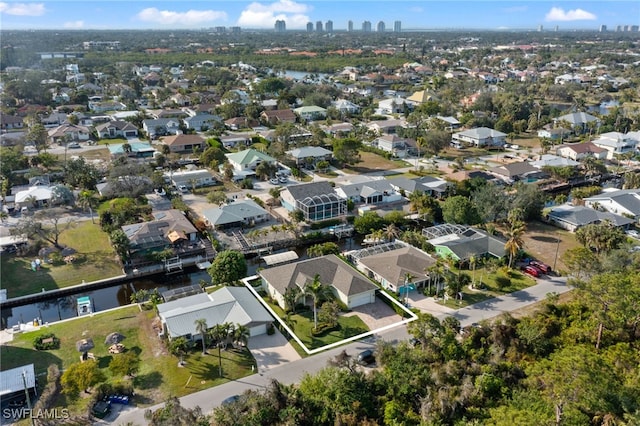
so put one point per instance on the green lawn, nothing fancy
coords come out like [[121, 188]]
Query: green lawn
[[490, 288], [159, 375], [302, 324], [95, 259]]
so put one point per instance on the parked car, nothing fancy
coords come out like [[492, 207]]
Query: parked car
[[282, 179], [230, 400], [73, 145], [274, 181], [366, 357], [633, 233], [183, 189], [543, 267], [531, 271]]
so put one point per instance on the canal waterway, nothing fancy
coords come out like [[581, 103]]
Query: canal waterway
[[59, 308]]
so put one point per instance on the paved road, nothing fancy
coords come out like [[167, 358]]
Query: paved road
[[292, 373]]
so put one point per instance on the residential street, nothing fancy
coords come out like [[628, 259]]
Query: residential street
[[294, 371]]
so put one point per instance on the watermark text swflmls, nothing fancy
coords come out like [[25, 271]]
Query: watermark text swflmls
[[26, 413]]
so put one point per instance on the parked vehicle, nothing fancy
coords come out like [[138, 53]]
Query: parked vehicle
[[230, 400], [543, 267], [633, 233], [183, 189], [274, 181], [531, 271], [366, 357], [73, 145]]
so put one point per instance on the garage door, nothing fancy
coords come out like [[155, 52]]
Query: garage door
[[258, 330], [131, 134], [362, 299]]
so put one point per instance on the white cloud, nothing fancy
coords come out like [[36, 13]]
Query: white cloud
[[258, 15], [559, 14], [189, 17], [22, 9], [74, 25]]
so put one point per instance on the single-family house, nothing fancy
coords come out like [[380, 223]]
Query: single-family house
[[519, 171], [105, 106], [616, 143], [71, 132], [184, 143], [236, 214], [624, 202], [460, 242], [235, 305], [237, 123], [233, 140], [33, 196], [571, 217], [161, 126], [399, 270], [451, 123], [479, 137], [389, 127], [317, 200], [278, 116], [191, 178], [309, 156], [579, 151], [116, 129], [395, 105], [132, 149], [554, 133], [337, 129], [170, 228], [11, 122], [370, 192], [421, 97], [549, 160], [579, 121], [346, 107], [202, 122], [433, 186], [392, 144], [249, 159], [347, 284], [311, 113]]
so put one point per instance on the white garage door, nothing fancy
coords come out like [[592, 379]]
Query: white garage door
[[362, 299], [258, 330]]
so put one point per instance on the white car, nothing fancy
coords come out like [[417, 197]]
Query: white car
[[633, 233], [183, 189], [274, 181]]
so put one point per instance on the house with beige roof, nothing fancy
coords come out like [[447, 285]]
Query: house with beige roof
[[579, 151], [347, 284], [184, 143]]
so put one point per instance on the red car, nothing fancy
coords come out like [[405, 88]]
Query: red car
[[543, 267], [531, 271]]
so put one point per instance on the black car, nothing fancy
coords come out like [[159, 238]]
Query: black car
[[230, 400], [366, 357]]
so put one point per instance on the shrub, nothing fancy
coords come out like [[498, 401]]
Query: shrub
[[46, 342], [51, 391], [324, 329]]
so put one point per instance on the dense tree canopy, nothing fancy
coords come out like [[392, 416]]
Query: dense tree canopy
[[228, 266]]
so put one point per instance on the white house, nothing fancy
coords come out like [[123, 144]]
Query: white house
[[249, 159], [624, 202], [616, 143], [479, 137], [393, 144], [347, 284]]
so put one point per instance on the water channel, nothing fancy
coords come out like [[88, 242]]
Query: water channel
[[59, 308]]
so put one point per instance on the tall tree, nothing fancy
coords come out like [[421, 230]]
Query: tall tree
[[228, 266], [47, 224], [346, 151], [318, 291], [458, 209], [202, 329], [514, 239]]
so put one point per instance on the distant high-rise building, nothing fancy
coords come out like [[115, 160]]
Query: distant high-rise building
[[350, 26], [397, 27], [627, 28], [328, 26], [634, 28], [366, 26], [280, 26], [540, 28], [318, 26], [381, 27], [556, 29], [309, 27], [619, 28], [235, 30], [603, 28], [220, 30]]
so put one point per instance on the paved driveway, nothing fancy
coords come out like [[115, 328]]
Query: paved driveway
[[376, 315], [272, 351]]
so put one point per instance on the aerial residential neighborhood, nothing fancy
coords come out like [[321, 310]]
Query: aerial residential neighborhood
[[228, 225]]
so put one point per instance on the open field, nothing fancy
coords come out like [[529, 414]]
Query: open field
[[371, 162], [95, 260], [159, 375], [541, 242]]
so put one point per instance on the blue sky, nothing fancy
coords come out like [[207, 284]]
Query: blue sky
[[425, 14]]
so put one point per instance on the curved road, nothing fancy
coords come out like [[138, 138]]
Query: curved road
[[292, 373]]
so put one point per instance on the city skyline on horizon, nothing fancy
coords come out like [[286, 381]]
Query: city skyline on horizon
[[413, 15]]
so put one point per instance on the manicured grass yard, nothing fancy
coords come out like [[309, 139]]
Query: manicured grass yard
[[302, 324], [519, 281], [371, 162], [95, 259], [159, 375]]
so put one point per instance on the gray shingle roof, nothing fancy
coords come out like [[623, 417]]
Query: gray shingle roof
[[394, 265], [314, 189], [581, 215], [234, 213], [332, 270]]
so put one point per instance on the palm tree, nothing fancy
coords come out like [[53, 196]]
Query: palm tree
[[291, 296], [87, 201], [391, 232], [317, 291], [201, 328], [179, 348], [241, 335], [514, 240], [473, 261]]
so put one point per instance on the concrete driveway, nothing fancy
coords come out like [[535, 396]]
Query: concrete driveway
[[376, 315], [272, 351]]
